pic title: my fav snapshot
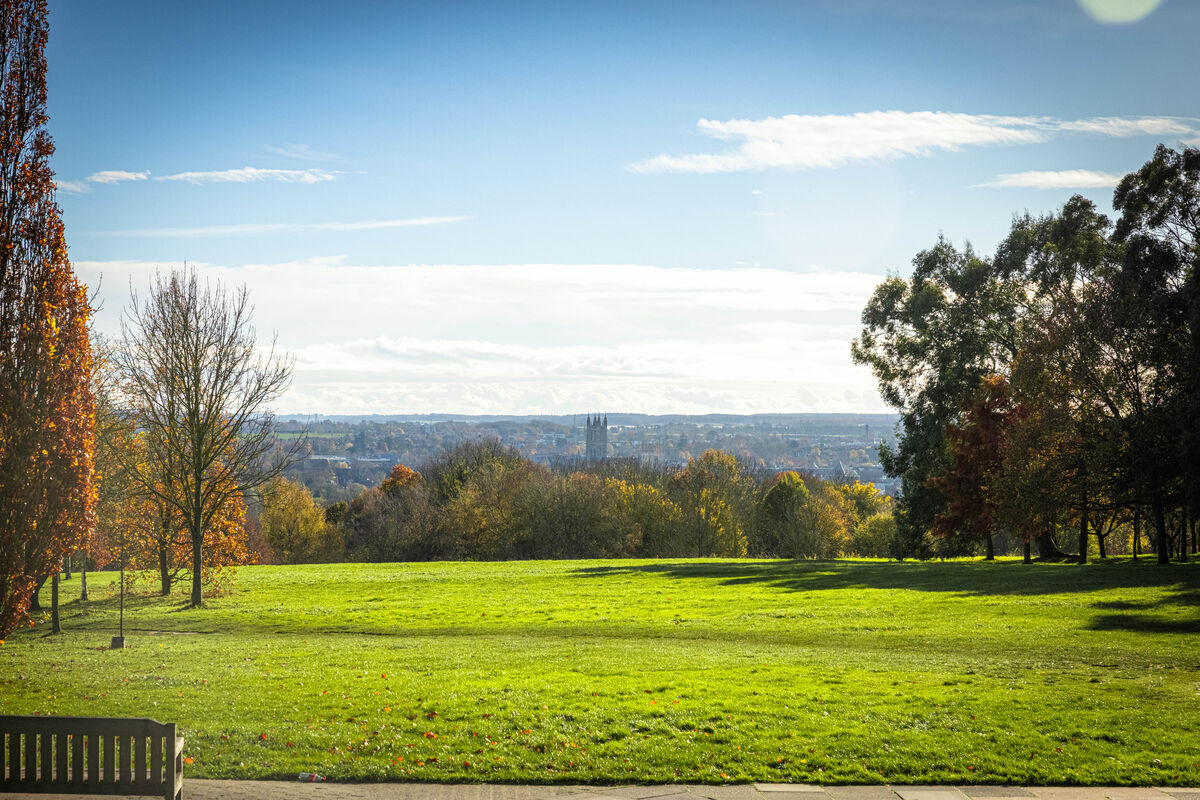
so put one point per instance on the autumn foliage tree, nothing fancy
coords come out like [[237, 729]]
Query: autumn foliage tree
[[46, 405], [200, 392], [294, 525]]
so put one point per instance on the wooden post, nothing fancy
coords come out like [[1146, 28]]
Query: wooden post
[[55, 627]]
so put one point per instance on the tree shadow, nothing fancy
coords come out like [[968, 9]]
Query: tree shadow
[[1144, 623], [971, 579], [974, 578]]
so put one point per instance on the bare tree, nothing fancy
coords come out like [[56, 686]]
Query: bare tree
[[200, 394]]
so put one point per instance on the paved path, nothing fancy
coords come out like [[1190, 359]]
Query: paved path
[[288, 790]]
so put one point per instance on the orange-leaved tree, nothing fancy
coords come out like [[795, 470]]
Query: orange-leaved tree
[[46, 404]]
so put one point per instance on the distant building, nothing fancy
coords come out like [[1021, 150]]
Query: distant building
[[597, 438]]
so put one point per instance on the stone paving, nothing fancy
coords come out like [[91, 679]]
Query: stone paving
[[289, 790]]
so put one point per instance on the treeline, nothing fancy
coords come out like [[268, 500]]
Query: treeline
[[1056, 385], [485, 501]]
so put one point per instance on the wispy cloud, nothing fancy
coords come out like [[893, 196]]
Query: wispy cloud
[[301, 152], [72, 187], [109, 176], [833, 140], [1055, 179], [252, 175], [251, 229]]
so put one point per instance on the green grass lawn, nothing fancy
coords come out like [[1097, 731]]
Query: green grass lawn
[[699, 671]]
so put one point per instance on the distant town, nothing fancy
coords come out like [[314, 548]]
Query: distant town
[[346, 454]]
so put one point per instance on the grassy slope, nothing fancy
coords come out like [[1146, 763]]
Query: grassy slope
[[624, 671]]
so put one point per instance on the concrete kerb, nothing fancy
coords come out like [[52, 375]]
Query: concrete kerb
[[293, 790]]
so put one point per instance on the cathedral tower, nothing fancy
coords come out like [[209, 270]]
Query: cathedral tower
[[597, 438]]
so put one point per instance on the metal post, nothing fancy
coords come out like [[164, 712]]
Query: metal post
[[118, 642]]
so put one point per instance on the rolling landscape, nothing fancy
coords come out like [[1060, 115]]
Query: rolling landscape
[[737, 400]]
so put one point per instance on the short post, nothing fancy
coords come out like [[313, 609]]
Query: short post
[[118, 642]]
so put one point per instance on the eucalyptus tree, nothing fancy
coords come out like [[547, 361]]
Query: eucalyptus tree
[[1159, 279], [930, 340]]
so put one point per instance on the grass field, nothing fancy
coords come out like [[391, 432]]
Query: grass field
[[633, 671]]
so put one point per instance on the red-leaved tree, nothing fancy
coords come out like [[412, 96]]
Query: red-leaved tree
[[46, 404]]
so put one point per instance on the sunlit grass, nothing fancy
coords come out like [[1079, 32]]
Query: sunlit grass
[[668, 671]]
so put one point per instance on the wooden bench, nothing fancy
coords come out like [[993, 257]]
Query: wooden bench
[[90, 755]]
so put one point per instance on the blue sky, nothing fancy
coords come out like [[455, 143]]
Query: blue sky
[[657, 207]]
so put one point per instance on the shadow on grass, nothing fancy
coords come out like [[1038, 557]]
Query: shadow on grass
[[1144, 623], [970, 578]]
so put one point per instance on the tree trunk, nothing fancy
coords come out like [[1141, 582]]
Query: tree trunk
[[1137, 532], [197, 563], [55, 627], [1083, 531], [1183, 535], [1160, 532], [35, 602], [83, 580], [1025, 552], [991, 548], [1100, 540], [1046, 547], [164, 572], [67, 568]]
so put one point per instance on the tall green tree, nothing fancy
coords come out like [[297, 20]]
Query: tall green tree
[[1063, 375], [1159, 227], [930, 340]]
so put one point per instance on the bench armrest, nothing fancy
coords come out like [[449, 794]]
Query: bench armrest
[[179, 742]]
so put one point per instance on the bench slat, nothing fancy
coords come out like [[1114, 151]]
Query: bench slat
[[30, 777], [156, 760], [117, 725], [126, 756], [77, 759], [108, 744], [60, 758], [93, 760], [45, 758], [139, 760]]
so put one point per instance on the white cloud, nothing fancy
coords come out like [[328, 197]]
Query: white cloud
[[250, 229], [301, 152], [1056, 179], [832, 140], [72, 187], [252, 175], [544, 338], [109, 176], [1131, 126]]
